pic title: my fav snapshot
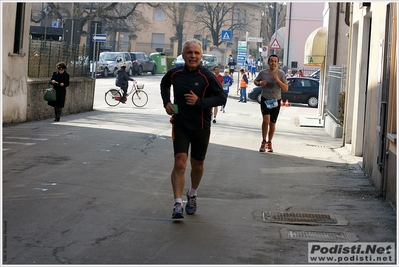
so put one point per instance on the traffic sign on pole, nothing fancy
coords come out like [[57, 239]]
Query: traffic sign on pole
[[275, 44], [100, 38], [227, 36]]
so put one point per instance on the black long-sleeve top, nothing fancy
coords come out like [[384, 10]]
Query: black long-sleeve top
[[204, 83]]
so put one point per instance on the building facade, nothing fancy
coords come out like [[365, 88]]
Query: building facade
[[15, 25], [370, 127], [299, 24]]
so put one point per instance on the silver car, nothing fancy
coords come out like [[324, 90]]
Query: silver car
[[116, 60]]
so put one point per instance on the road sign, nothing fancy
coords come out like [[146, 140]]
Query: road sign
[[101, 38], [227, 36], [254, 39], [241, 53], [264, 48], [275, 44]]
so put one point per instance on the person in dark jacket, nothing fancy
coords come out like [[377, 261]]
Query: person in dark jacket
[[122, 80], [196, 91], [60, 81]]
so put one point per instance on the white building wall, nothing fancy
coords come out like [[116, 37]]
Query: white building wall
[[14, 67]]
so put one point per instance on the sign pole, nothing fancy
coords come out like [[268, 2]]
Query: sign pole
[[93, 74]]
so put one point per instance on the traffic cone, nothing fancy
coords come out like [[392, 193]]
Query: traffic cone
[[281, 102], [286, 103]]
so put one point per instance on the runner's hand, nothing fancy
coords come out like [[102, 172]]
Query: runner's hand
[[191, 98]]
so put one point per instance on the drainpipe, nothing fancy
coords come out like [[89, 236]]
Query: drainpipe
[[336, 36], [289, 36], [348, 20]]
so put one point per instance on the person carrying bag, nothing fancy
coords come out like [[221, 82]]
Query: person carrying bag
[[60, 81]]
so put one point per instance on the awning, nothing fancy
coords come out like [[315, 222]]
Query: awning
[[315, 47]]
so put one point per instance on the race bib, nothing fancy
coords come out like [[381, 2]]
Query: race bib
[[271, 103], [225, 87]]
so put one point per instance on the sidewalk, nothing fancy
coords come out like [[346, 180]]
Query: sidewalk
[[95, 189]]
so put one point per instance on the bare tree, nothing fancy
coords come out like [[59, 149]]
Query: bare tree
[[115, 16], [268, 23], [179, 12], [218, 16]]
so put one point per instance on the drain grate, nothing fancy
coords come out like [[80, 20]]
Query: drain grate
[[300, 218], [317, 235]]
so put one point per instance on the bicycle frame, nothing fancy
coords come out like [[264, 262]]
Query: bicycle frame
[[139, 97]]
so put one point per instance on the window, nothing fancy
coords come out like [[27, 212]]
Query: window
[[197, 36], [199, 8], [19, 29], [159, 14], [240, 16], [158, 40]]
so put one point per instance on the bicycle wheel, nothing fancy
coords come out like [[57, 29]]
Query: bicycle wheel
[[112, 97], [139, 98]]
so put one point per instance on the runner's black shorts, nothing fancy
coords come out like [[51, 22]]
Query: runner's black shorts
[[183, 137], [273, 112], [231, 71]]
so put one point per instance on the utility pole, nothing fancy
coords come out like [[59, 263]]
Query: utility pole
[[276, 24]]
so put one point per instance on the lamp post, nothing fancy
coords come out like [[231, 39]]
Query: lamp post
[[46, 11]]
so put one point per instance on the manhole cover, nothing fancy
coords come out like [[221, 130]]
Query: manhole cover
[[319, 236], [299, 218]]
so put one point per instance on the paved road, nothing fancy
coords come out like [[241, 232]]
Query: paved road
[[95, 189]]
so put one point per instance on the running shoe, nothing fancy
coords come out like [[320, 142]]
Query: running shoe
[[263, 147], [178, 211], [214, 120], [191, 206], [269, 147]]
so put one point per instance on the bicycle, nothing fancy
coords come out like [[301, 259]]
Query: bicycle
[[139, 98]]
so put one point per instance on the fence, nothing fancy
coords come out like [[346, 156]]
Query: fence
[[44, 56], [336, 83]]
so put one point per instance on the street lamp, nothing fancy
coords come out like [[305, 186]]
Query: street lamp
[[46, 10]]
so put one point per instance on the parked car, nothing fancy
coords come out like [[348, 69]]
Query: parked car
[[141, 62], [115, 60], [179, 61], [315, 75], [300, 90], [102, 67], [83, 62], [207, 60]]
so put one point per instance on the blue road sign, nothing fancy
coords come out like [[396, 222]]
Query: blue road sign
[[101, 38], [227, 36]]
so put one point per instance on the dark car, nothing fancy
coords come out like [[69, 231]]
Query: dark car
[[315, 75], [300, 90], [142, 63]]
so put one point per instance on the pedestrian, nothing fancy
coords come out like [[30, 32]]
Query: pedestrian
[[60, 81], [232, 65], [216, 70], [196, 91], [243, 86], [300, 74], [122, 81], [289, 73], [272, 81], [227, 82], [251, 66]]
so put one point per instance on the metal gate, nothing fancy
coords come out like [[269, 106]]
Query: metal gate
[[336, 83]]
